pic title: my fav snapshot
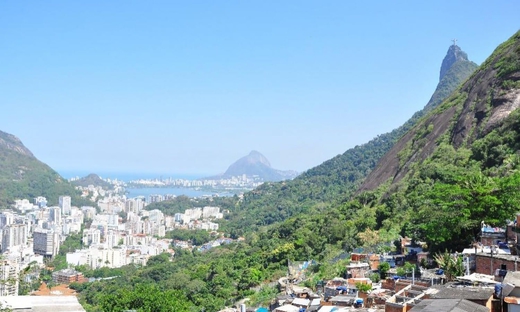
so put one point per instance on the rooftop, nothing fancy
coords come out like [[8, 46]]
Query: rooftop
[[461, 291], [43, 303], [448, 305]]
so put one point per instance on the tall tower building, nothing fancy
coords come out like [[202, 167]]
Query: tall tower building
[[14, 235], [65, 204], [55, 215], [6, 218], [46, 242]]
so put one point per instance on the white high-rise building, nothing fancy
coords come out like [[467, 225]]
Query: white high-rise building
[[91, 237], [14, 235], [193, 214], [134, 205], [112, 239], [24, 205], [178, 217], [211, 212], [40, 201], [65, 204], [159, 231], [156, 216], [46, 242], [112, 220], [9, 279], [6, 218], [55, 215]]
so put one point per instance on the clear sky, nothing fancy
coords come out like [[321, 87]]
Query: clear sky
[[188, 87]]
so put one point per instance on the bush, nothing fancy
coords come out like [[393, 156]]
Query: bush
[[375, 278], [362, 287]]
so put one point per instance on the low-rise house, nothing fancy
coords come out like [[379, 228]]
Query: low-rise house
[[488, 263], [357, 269], [68, 276], [491, 235], [343, 300]]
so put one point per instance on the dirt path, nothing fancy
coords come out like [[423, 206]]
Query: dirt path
[[60, 290]]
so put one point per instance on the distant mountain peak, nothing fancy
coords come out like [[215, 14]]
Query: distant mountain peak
[[92, 179], [257, 157], [453, 55], [256, 164]]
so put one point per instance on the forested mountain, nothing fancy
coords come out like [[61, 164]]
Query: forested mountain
[[337, 179], [92, 179], [458, 165], [24, 176]]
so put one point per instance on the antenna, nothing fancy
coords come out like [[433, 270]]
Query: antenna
[[454, 42]]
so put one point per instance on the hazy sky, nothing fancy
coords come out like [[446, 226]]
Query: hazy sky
[[191, 86]]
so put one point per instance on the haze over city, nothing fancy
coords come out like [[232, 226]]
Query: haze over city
[[189, 88]]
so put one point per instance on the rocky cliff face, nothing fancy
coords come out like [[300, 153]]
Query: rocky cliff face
[[481, 104], [454, 55], [455, 69], [12, 143]]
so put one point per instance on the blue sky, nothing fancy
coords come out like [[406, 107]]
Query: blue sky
[[189, 87]]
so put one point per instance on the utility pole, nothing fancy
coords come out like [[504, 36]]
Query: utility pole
[[492, 261]]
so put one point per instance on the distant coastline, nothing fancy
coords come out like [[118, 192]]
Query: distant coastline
[[126, 176], [146, 192]]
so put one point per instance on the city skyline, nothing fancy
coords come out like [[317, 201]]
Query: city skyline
[[190, 88]]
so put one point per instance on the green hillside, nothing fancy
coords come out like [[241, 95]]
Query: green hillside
[[308, 218], [335, 180], [459, 166], [24, 176]]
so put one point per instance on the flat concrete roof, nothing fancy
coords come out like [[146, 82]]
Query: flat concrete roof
[[42, 303], [448, 305]]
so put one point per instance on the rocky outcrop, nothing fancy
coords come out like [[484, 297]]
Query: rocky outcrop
[[480, 105], [454, 55], [11, 142]]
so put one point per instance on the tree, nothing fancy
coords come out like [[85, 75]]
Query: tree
[[383, 268], [453, 266], [144, 297]]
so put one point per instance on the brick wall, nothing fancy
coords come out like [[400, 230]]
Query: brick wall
[[388, 283], [394, 307], [484, 264]]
